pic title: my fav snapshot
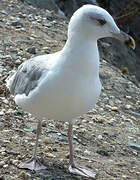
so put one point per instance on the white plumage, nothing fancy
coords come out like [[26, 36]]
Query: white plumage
[[66, 84]]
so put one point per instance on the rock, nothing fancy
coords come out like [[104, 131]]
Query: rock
[[31, 50], [111, 121], [78, 150], [8, 44], [48, 25], [5, 101], [20, 41], [50, 155], [63, 139], [133, 118], [14, 162], [7, 57], [128, 106], [5, 166], [2, 163], [86, 152], [18, 62], [103, 152], [1, 113], [100, 137], [137, 115], [115, 175], [128, 97], [46, 50], [114, 108], [50, 17], [134, 146], [23, 175], [2, 63], [17, 24], [1, 128], [4, 12]]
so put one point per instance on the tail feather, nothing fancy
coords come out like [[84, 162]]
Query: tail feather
[[10, 79]]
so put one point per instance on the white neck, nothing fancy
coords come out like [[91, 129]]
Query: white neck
[[82, 54]]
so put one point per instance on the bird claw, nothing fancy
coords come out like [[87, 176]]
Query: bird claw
[[32, 164], [82, 171]]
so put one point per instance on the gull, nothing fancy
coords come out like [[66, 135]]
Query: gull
[[66, 84]]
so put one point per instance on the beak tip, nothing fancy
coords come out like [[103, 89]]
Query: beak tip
[[131, 43]]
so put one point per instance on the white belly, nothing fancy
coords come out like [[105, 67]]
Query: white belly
[[62, 99]]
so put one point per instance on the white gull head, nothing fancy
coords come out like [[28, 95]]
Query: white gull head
[[94, 22]]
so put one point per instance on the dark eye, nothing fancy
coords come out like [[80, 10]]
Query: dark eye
[[101, 21]]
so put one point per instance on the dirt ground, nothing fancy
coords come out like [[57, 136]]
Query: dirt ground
[[106, 139]]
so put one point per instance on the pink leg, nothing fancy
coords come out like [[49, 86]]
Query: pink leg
[[34, 163], [72, 167]]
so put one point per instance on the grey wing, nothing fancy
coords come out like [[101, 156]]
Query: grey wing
[[27, 77]]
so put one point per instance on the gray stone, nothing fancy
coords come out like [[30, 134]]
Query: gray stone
[[4, 12], [48, 25], [31, 50], [17, 24], [134, 146], [7, 44]]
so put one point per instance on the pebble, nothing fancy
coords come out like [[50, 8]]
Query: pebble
[[19, 41], [100, 137], [138, 173], [18, 24], [2, 163], [7, 44], [84, 121], [14, 162], [111, 121], [78, 150], [2, 63], [18, 61], [50, 17], [5, 166], [1, 113], [7, 57], [47, 141], [2, 149], [128, 106], [133, 118], [128, 97], [23, 175], [4, 12], [108, 106], [87, 152], [115, 175], [114, 108], [50, 149], [47, 50], [48, 25], [6, 101], [31, 50], [101, 120], [50, 155], [61, 139], [134, 146], [3, 153]]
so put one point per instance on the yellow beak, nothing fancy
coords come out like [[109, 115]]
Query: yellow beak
[[131, 43], [127, 39]]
